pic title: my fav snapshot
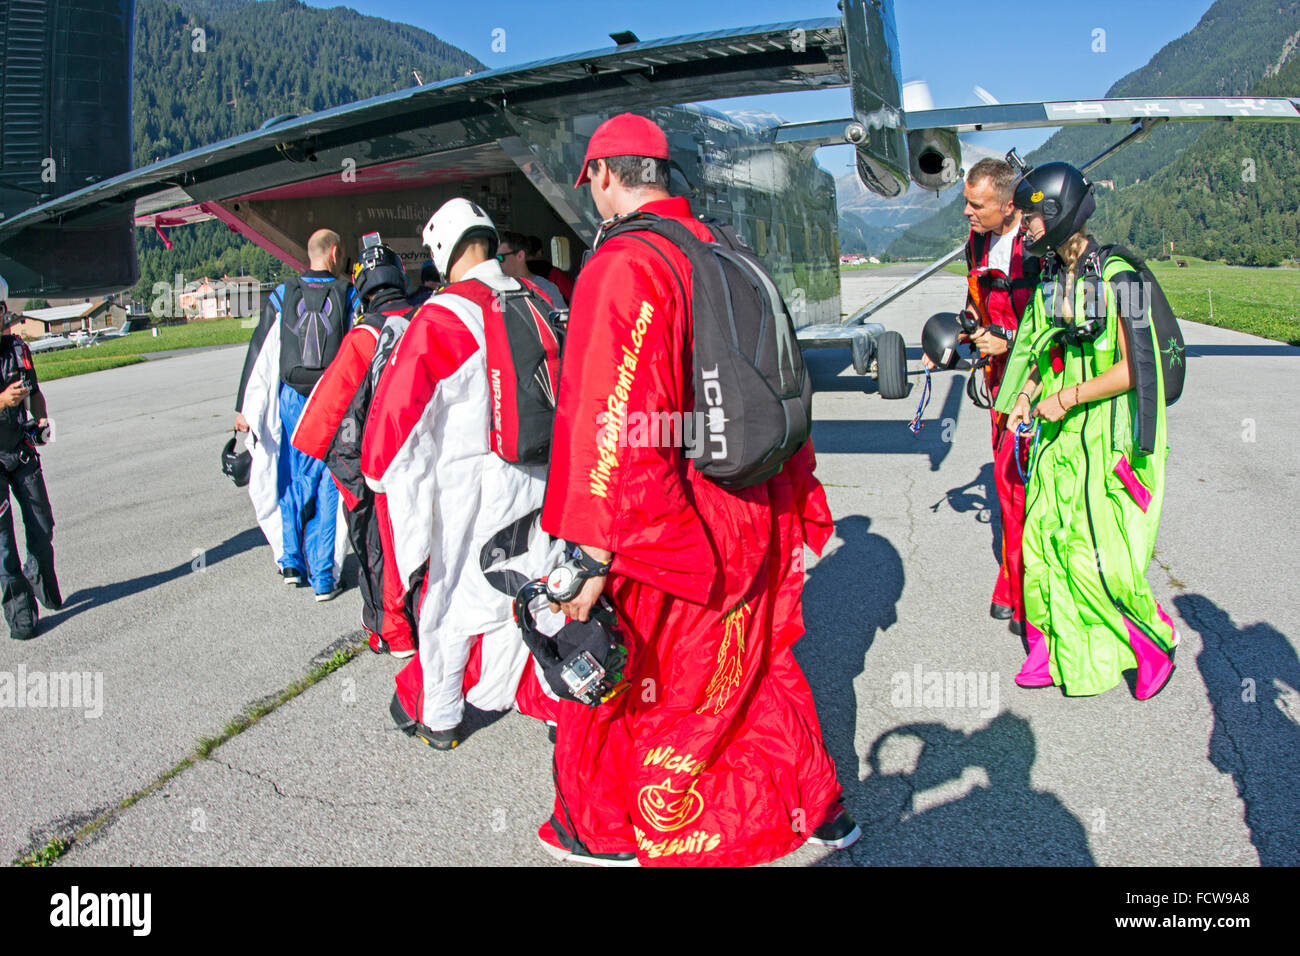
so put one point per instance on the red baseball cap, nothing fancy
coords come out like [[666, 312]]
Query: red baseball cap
[[624, 135]]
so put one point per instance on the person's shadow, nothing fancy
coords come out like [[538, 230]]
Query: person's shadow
[[102, 594], [1252, 676], [849, 597], [937, 796], [978, 496]]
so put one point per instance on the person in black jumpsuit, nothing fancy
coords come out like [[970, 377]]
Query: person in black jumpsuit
[[23, 424]]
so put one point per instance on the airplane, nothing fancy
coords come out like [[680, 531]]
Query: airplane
[[513, 139]]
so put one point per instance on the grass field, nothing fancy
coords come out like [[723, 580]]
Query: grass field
[[130, 349], [1263, 302]]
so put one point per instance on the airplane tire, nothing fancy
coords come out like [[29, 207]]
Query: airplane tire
[[891, 366]]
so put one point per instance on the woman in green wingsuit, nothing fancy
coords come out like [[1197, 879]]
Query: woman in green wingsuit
[[1084, 379]]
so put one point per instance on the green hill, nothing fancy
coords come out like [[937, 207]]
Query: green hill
[[1233, 195], [1233, 49], [255, 60]]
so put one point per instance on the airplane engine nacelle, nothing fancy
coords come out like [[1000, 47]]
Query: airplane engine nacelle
[[934, 158]]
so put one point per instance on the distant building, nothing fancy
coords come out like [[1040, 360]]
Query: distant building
[[227, 297], [66, 319], [1108, 183]]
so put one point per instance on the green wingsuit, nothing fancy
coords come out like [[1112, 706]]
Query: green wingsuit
[[1092, 505]]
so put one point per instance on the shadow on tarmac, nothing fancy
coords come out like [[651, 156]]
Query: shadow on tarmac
[[87, 598], [1252, 677], [979, 496], [986, 814], [855, 591], [848, 437], [1000, 820]]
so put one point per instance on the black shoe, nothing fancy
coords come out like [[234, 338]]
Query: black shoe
[[560, 844], [25, 626], [437, 739], [838, 832], [1001, 612], [291, 576], [1016, 627]]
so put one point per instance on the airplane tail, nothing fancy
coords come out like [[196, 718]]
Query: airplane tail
[[65, 124]]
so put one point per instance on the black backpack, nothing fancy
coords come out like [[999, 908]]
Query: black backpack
[[313, 320], [343, 457], [522, 351], [753, 395], [1143, 302]]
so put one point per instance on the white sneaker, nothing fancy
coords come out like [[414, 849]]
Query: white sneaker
[[330, 595]]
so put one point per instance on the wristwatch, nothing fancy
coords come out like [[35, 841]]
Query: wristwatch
[[588, 564]]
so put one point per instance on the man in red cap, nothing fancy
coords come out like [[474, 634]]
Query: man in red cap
[[713, 753]]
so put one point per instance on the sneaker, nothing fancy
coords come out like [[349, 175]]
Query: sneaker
[[25, 626], [329, 595], [437, 739], [837, 832], [291, 576], [556, 841], [401, 649]]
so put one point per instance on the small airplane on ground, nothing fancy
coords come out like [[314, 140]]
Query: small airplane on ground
[[513, 139]]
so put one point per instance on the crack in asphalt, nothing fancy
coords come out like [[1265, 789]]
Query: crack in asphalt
[[256, 775]]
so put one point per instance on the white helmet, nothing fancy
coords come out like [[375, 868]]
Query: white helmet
[[4, 290], [457, 219]]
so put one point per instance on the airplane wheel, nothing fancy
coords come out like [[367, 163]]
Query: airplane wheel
[[891, 366]]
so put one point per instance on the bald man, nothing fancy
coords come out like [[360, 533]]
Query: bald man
[[297, 505]]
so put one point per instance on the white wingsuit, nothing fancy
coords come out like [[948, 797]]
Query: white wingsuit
[[453, 503]]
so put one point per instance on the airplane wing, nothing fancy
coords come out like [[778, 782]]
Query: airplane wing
[[969, 119], [461, 111]]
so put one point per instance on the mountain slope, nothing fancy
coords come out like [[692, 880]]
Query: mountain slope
[[251, 61], [1234, 46], [1234, 194]]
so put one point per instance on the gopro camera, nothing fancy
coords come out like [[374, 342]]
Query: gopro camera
[[582, 675]]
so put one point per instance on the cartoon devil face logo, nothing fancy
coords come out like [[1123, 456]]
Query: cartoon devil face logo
[[667, 809]]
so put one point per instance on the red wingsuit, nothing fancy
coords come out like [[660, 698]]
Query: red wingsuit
[[714, 753], [1005, 306], [318, 432]]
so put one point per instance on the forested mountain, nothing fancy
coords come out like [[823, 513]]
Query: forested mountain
[[251, 61], [1234, 194], [1237, 47]]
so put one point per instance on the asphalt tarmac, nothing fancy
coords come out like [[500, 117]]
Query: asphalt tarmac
[[174, 610]]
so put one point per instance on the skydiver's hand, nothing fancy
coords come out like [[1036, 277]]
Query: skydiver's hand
[[241, 423], [1052, 408], [13, 396], [579, 609], [926, 363], [988, 343], [1020, 413]]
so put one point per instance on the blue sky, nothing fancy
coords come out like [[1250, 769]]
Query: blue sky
[[1018, 51]]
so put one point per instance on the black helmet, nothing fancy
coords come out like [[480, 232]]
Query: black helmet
[[378, 268], [236, 465], [939, 341], [1063, 197]]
